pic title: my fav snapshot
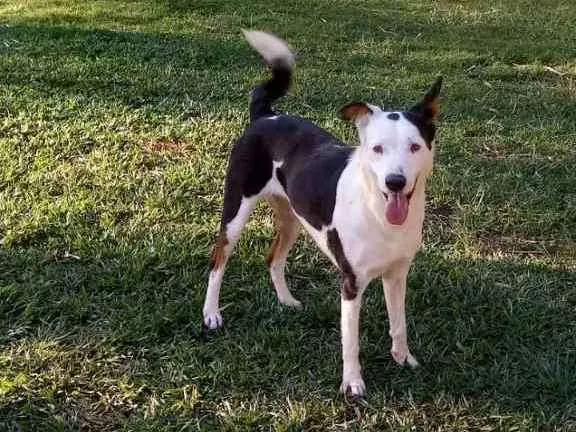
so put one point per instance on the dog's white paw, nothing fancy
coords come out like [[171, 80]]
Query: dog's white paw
[[354, 387], [403, 357], [290, 301], [213, 320]]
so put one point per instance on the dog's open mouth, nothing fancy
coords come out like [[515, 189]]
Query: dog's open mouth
[[397, 206]]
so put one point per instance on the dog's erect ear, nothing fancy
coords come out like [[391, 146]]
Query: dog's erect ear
[[354, 111], [425, 112], [428, 109]]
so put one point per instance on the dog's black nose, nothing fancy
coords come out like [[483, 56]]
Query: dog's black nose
[[395, 182]]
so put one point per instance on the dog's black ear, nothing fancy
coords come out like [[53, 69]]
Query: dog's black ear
[[428, 108], [354, 111], [426, 111]]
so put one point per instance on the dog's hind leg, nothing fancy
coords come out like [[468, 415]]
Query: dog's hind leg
[[288, 229], [227, 239]]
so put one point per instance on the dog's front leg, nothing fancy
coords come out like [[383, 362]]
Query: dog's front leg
[[395, 293], [351, 302]]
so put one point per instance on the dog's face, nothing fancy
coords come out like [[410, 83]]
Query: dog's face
[[396, 149]]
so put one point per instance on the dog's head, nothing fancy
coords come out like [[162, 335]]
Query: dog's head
[[396, 149]]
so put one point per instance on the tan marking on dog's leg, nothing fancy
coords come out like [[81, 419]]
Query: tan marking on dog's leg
[[395, 294], [288, 230], [222, 250], [218, 252]]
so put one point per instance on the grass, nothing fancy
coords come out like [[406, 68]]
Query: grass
[[116, 119]]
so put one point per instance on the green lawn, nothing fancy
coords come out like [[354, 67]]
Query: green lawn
[[116, 119]]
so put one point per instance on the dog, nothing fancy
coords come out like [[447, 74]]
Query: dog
[[363, 206]]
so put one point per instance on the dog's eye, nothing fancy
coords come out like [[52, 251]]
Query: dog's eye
[[378, 149], [414, 147]]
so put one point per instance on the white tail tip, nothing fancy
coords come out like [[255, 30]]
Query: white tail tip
[[270, 47]]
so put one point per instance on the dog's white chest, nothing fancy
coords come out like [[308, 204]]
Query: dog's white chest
[[371, 246]]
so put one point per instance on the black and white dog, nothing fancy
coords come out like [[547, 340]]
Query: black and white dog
[[363, 206]]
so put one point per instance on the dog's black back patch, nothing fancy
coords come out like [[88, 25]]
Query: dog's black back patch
[[312, 184], [312, 162]]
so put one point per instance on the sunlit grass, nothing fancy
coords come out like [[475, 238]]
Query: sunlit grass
[[116, 119]]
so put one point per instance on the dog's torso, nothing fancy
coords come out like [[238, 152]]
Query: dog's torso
[[292, 158]]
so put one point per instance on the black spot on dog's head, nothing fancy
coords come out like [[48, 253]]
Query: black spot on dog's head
[[393, 116]]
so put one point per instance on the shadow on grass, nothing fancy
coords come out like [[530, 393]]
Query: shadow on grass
[[211, 71], [124, 328], [113, 335], [135, 70]]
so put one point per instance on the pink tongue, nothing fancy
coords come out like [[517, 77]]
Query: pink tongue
[[397, 208]]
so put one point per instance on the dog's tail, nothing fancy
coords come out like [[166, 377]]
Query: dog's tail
[[280, 59]]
